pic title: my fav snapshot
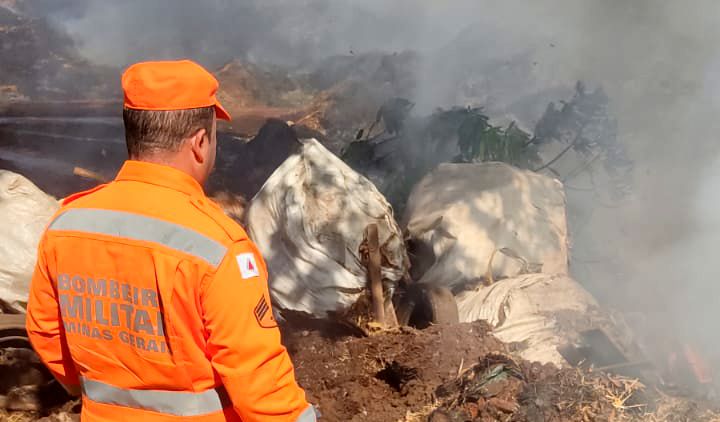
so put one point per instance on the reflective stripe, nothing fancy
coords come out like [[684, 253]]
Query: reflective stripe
[[140, 227], [178, 403], [308, 415]]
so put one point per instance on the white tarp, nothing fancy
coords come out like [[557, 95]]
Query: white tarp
[[25, 210], [463, 213], [543, 311], [308, 220]]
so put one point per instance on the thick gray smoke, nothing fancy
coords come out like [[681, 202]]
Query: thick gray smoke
[[657, 60], [214, 31]]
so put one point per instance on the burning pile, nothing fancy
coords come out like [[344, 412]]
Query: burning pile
[[446, 372], [39, 62], [460, 373]]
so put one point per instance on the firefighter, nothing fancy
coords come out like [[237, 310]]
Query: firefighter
[[146, 298]]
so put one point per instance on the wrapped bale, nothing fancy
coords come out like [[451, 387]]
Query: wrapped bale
[[25, 210], [309, 219], [469, 222], [541, 311]]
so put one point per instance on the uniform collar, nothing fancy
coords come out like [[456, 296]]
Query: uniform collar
[[160, 175]]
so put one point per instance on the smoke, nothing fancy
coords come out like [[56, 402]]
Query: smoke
[[656, 59]]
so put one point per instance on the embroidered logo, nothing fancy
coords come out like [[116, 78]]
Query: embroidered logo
[[248, 266]]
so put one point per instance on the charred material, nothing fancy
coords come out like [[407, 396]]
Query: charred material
[[26, 385]]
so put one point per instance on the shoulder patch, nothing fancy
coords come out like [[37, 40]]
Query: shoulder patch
[[248, 266], [70, 198], [263, 313]]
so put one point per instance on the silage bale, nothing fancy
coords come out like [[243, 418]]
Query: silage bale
[[308, 220], [25, 210], [461, 215]]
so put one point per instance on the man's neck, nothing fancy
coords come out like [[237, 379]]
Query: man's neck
[[169, 160]]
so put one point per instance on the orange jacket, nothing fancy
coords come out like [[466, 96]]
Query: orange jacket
[[156, 304]]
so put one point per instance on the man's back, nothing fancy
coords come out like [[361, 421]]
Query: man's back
[[159, 290]]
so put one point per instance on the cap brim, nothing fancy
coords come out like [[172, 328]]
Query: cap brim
[[220, 112]]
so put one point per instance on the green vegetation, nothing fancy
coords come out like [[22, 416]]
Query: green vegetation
[[582, 125], [479, 141]]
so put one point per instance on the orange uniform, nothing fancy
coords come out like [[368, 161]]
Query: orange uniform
[[156, 304]]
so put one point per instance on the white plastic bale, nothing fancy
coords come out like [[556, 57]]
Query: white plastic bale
[[25, 210], [533, 309], [465, 212], [308, 221]]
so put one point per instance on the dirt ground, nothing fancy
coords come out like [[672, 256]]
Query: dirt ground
[[385, 377], [461, 373]]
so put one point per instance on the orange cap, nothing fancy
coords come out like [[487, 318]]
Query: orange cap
[[170, 85]]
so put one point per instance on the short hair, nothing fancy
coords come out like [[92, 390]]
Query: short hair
[[150, 131]]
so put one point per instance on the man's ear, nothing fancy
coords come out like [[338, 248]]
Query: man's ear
[[199, 145]]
